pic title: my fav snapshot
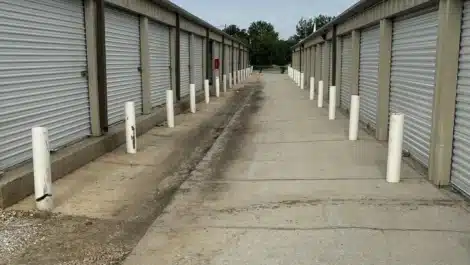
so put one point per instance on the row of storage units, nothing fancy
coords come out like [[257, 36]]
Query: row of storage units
[[44, 79], [412, 83]]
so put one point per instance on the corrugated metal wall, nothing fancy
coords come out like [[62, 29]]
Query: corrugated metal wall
[[185, 66], [346, 64], [198, 62], [122, 63], [369, 75], [159, 51], [412, 80], [460, 175], [227, 60], [42, 59]]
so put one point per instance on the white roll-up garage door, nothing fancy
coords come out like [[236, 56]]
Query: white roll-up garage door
[[322, 61], [412, 80], [198, 51], [330, 64], [217, 49], [227, 60], [185, 68], [346, 64], [460, 175], [122, 63], [369, 75], [159, 51], [235, 59], [43, 81]]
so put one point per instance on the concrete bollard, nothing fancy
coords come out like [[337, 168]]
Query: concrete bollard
[[320, 94], [217, 86], [42, 169], [395, 144], [206, 91], [170, 113], [332, 103], [192, 98], [354, 118], [312, 88], [302, 81], [131, 134], [230, 80], [224, 80]]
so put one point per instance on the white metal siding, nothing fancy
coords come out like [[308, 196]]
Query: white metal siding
[[460, 175], [346, 63], [235, 59], [122, 62], [412, 80], [185, 67], [159, 51], [369, 75], [42, 57], [217, 51], [227, 60], [322, 60], [330, 66], [198, 51]]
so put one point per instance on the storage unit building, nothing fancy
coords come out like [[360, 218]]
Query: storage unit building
[[412, 79], [159, 52], [369, 75]]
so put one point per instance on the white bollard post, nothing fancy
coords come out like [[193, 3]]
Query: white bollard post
[[230, 80], [192, 98], [332, 103], [170, 114], [354, 117], [131, 134], [217, 86], [42, 169], [395, 144], [320, 94], [302, 81], [312, 88], [224, 80], [206, 91]]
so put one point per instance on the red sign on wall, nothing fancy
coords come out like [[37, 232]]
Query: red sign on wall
[[216, 63]]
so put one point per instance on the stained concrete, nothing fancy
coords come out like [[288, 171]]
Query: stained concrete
[[283, 185]]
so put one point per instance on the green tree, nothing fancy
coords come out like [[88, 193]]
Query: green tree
[[263, 40], [235, 31], [305, 26]]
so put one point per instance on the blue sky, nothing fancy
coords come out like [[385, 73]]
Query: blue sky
[[283, 14]]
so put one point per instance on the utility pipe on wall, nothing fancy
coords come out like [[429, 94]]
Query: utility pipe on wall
[[395, 144], [354, 118], [42, 169], [131, 134]]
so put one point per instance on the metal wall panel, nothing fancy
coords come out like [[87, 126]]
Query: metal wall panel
[[198, 62], [159, 51], [412, 80], [369, 75], [122, 63], [41, 84], [235, 58], [330, 66], [185, 67], [346, 64], [322, 60], [460, 174], [217, 51]]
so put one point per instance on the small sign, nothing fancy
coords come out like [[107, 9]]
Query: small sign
[[216, 63]]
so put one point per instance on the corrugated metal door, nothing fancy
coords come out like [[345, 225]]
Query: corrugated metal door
[[122, 62], [412, 80], [346, 63], [159, 51], [460, 174], [330, 66], [198, 47], [235, 59], [322, 60], [185, 67], [227, 60], [41, 84], [369, 75], [230, 70], [217, 55]]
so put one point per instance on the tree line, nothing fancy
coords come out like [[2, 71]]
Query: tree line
[[266, 48]]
